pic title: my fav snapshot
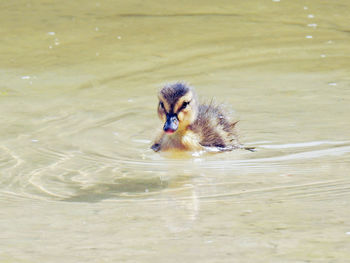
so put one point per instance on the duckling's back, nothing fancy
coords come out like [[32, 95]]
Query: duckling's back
[[214, 128]]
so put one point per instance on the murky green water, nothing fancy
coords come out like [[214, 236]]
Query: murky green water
[[78, 182]]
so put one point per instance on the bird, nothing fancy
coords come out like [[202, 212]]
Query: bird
[[191, 126]]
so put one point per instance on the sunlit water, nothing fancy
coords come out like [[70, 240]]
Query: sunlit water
[[78, 182]]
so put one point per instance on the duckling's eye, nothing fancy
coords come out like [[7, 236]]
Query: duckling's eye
[[162, 105], [184, 105]]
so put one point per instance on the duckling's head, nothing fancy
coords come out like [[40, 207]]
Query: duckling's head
[[178, 107]]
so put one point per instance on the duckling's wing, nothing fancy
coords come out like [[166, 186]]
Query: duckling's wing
[[215, 128]]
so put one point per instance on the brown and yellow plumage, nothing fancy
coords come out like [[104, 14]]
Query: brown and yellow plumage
[[191, 126]]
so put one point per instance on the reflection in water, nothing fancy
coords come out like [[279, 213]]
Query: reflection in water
[[78, 181], [181, 214]]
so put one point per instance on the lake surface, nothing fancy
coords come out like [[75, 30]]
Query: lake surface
[[78, 182]]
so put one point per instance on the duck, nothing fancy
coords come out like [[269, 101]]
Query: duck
[[191, 126]]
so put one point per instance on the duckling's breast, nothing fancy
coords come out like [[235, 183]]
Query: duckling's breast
[[184, 140]]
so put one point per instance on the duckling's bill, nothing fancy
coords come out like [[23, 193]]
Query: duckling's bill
[[171, 124]]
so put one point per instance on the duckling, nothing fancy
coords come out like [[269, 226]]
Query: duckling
[[191, 126]]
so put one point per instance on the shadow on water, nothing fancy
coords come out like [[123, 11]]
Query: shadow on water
[[122, 188], [128, 189]]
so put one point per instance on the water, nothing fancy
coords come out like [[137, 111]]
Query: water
[[77, 100]]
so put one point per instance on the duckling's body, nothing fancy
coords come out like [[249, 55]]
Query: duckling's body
[[190, 126]]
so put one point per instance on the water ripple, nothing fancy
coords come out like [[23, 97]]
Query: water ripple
[[82, 175]]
